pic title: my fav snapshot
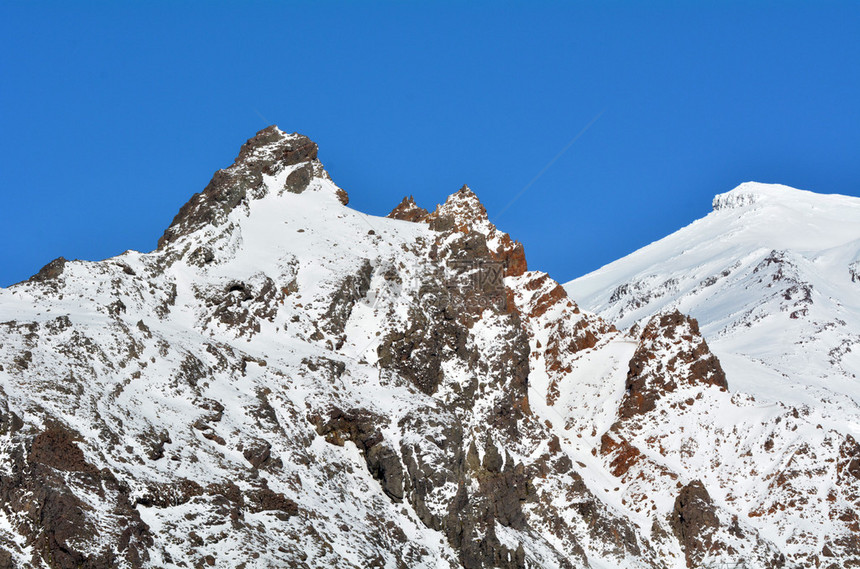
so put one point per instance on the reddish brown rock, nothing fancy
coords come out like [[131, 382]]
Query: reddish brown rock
[[513, 255], [694, 521], [407, 210], [625, 455], [689, 362], [56, 448], [463, 212]]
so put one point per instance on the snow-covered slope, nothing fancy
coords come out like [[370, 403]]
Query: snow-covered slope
[[287, 382], [771, 276]]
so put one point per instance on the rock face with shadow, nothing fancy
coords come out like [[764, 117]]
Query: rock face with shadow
[[287, 382]]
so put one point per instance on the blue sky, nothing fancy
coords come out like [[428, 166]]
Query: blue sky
[[113, 115]]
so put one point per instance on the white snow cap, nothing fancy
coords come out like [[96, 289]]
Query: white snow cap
[[750, 193]]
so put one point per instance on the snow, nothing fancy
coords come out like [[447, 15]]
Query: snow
[[717, 270], [742, 271], [766, 274]]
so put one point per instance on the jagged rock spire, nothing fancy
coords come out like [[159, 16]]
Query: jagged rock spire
[[270, 151], [408, 210], [463, 212]]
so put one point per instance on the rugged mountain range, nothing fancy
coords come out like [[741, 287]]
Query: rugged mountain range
[[287, 382]]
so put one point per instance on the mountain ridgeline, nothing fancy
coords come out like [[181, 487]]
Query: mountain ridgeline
[[288, 382]]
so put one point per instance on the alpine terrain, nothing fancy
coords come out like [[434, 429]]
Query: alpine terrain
[[287, 382]]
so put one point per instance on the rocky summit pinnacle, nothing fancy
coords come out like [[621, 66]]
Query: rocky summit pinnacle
[[463, 212], [408, 210], [270, 152]]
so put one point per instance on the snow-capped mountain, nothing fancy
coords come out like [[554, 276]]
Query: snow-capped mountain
[[771, 276], [287, 382]]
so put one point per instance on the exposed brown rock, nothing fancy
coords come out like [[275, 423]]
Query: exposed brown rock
[[463, 212], [258, 453], [43, 489], [50, 271], [342, 196], [848, 467], [166, 495], [513, 255], [407, 210], [694, 521], [56, 448], [266, 500], [690, 362], [298, 180], [362, 428], [625, 457], [268, 152]]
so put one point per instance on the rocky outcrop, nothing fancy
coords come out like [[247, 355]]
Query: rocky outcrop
[[407, 210], [464, 213], [694, 521], [243, 305], [671, 353], [560, 331], [492, 488], [362, 428], [348, 292], [52, 489], [50, 271]]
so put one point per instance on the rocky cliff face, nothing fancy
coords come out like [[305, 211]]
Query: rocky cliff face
[[285, 381]]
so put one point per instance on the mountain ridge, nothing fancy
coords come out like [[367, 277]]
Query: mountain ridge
[[286, 381]]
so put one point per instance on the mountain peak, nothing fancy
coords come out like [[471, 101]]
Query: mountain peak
[[465, 212], [464, 199], [268, 153], [408, 210], [748, 194], [759, 194], [274, 146]]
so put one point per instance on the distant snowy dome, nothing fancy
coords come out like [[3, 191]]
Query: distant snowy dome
[[750, 193]]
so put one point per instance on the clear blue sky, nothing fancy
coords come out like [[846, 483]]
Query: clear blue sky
[[112, 116]]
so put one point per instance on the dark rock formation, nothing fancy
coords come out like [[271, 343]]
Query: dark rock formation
[[694, 521], [52, 488], [407, 210], [268, 152], [266, 500], [350, 290], [361, 427], [689, 362], [50, 271], [299, 178], [56, 448], [447, 305]]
